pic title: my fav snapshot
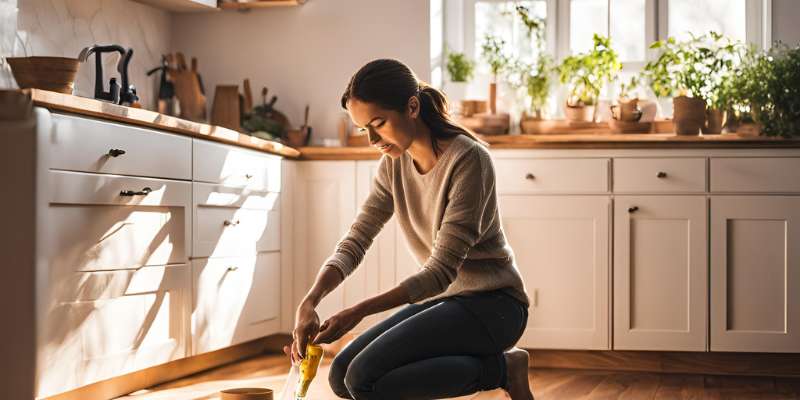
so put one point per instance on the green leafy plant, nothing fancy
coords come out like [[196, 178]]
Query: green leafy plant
[[766, 88], [493, 50], [587, 73], [459, 67], [698, 67], [626, 88], [531, 79]]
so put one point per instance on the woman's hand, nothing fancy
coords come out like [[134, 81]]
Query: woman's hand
[[336, 326], [305, 328]]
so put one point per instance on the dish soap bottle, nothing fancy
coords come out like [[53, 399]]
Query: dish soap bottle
[[301, 374]]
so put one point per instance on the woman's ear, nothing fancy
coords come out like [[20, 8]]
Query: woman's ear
[[413, 107]]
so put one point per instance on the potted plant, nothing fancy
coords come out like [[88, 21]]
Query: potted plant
[[494, 52], [766, 90], [695, 72], [461, 69], [586, 74]]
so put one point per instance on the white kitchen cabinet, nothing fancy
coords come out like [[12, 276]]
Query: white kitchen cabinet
[[230, 222], [325, 207], [660, 273], [755, 273], [104, 324], [561, 247], [235, 299]]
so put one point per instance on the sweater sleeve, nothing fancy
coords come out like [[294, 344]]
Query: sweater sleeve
[[376, 210], [471, 181]]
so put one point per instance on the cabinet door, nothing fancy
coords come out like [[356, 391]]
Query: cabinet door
[[324, 209], [755, 273], [235, 300], [561, 245], [104, 324], [660, 273]]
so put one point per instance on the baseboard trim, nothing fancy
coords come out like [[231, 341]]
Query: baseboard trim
[[715, 363], [131, 382]]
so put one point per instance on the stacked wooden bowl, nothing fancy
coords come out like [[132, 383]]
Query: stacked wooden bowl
[[56, 74]]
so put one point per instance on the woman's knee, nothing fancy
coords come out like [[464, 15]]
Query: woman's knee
[[357, 379], [337, 373]]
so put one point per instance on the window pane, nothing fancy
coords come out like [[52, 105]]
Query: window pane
[[627, 29], [499, 19], [587, 17], [700, 16]]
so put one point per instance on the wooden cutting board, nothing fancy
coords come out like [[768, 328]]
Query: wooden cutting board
[[226, 111]]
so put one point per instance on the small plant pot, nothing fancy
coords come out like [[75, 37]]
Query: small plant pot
[[626, 110], [689, 115], [715, 120], [579, 113], [534, 125]]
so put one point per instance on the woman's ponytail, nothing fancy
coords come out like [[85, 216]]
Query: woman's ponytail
[[435, 113], [390, 83]]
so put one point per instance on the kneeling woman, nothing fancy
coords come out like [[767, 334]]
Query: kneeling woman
[[468, 302]]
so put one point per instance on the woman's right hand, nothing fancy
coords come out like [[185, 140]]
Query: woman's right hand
[[306, 327]]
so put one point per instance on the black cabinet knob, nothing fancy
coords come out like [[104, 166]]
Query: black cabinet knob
[[633, 209], [116, 152], [529, 176], [662, 174]]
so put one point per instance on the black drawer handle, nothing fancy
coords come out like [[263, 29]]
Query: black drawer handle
[[661, 174], [116, 152], [143, 192], [529, 176], [248, 176], [230, 223], [232, 268], [633, 209]]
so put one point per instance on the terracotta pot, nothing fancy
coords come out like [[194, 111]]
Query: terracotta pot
[[714, 122], [56, 74], [689, 115], [472, 107], [626, 110], [579, 113]]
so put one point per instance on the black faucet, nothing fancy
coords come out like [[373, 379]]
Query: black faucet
[[118, 94]]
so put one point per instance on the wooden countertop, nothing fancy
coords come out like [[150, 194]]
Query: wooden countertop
[[576, 141], [152, 119]]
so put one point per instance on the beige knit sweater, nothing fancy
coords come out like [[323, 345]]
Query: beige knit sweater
[[450, 219]]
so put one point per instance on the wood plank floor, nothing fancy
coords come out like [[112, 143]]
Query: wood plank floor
[[561, 384]]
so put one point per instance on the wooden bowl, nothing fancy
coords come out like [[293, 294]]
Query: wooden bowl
[[629, 126], [56, 74], [246, 394]]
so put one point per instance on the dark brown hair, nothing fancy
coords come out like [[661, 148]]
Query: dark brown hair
[[390, 83]]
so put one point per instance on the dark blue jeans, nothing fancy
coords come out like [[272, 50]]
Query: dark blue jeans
[[442, 348]]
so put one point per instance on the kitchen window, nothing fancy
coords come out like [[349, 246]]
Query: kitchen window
[[459, 26]]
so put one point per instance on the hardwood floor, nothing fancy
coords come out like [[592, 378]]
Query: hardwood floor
[[561, 384]]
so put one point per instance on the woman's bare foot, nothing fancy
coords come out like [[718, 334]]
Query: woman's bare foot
[[518, 387]]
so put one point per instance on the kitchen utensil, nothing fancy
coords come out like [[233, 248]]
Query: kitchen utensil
[[167, 103], [248, 97], [56, 74], [187, 88], [225, 110], [246, 394]]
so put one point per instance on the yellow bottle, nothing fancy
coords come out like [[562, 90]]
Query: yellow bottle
[[308, 369]]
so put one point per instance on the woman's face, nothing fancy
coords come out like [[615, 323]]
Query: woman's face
[[390, 131]]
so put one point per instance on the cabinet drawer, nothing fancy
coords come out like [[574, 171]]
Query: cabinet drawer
[[91, 226], [235, 299], [680, 175], [578, 175], [105, 324], [756, 174], [233, 222], [83, 144], [219, 163]]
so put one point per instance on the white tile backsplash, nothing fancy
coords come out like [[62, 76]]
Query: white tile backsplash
[[64, 27]]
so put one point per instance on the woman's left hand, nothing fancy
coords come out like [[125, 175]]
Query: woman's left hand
[[336, 326]]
